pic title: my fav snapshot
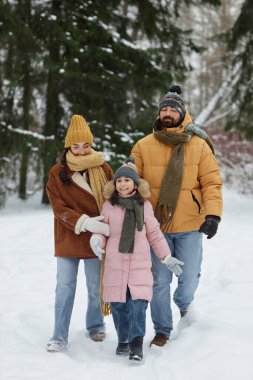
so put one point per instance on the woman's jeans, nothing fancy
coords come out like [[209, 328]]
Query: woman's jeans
[[67, 269], [129, 318], [186, 247]]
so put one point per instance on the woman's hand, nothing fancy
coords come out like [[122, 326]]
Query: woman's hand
[[94, 225]]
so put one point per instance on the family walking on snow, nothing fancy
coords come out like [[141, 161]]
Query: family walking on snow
[[145, 241]]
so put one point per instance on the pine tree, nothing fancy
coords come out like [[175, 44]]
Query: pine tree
[[20, 79], [240, 52]]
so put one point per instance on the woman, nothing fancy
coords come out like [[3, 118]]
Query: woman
[[74, 189]]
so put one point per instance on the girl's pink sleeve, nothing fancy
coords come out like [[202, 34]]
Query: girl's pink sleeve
[[154, 234]]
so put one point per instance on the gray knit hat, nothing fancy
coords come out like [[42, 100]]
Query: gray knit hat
[[174, 100], [128, 169]]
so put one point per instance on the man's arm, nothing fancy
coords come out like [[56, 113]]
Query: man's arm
[[210, 180]]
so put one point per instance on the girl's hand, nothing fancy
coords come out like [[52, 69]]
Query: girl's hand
[[96, 246], [173, 264]]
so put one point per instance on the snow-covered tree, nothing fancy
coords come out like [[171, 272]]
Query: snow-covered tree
[[108, 62]]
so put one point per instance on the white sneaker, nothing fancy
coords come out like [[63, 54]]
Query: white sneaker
[[97, 337], [54, 346]]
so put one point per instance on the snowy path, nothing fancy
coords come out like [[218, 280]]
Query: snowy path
[[215, 344]]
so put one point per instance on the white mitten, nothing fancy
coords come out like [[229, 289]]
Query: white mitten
[[96, 244], [173, 264], [94, 225]]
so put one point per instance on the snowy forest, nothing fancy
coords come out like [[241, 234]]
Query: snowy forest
[[112, 63]]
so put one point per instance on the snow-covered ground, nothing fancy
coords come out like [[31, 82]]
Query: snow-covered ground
[[215, 343]]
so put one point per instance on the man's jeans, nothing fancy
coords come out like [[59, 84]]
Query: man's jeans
[[186, 247], [67, 269], [129, 318]]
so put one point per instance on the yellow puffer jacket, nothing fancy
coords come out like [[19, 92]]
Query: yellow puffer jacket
[[200, 193]]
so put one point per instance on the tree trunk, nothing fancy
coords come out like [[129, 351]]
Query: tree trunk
[[26, 106], [23, 172], [51, 127], [53, 112], [26, 124]]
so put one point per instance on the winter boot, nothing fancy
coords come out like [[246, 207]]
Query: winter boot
[[160, 340], [122, 349], [97, 336], [136, 349], [55, 346]]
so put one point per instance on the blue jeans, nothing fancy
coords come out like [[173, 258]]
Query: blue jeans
[[67, 269], [186, 247], [129, 318]]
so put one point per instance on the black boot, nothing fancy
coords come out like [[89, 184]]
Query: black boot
[[183, 313], [136, 349], [122, 349]]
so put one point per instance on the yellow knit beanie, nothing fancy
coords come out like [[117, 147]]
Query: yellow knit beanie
[[78, 131]]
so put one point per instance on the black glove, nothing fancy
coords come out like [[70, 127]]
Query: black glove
[[210, 226]]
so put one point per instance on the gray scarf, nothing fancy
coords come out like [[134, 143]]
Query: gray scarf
[[134, 217], [171, 184]]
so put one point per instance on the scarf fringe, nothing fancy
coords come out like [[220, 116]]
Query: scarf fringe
[[164, 215], [105, 307]]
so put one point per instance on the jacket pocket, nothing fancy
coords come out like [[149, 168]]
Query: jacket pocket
[[195, 200]]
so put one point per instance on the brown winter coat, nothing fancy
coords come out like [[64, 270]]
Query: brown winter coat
[[200, 193], [69, 202]]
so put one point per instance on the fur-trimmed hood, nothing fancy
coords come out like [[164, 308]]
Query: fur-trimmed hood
[[143, 189]]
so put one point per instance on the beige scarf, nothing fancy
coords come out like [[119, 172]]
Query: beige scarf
[[91, 162]]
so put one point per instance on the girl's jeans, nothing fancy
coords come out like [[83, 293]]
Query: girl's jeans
[[129, 318]]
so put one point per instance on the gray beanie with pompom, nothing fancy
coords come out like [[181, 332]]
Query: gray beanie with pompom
[[129, 170]]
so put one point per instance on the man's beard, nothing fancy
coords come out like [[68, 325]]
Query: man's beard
[[169, 122]]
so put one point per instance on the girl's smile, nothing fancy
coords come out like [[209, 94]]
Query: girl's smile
[[125, 186]]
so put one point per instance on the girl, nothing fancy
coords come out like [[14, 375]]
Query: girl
[[74, 190], [128, 280]]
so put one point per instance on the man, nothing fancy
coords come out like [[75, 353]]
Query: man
[[178, 161]]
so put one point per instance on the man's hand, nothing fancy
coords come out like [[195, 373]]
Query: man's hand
[[210, 226]]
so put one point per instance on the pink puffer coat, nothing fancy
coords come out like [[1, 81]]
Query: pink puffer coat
[[130, 269]]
